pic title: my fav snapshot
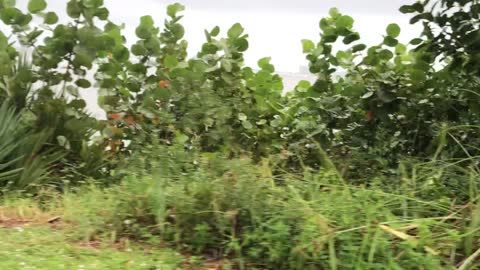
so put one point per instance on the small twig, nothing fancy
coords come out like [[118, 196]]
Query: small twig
[[469, 260], [453, 214], [406, 237], [54, 219]]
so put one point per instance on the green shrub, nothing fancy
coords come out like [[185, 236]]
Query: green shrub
[[394, 100]]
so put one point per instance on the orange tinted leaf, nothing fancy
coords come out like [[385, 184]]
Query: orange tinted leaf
[[114, 116], [163, 83], [370, 116], [129, 120]]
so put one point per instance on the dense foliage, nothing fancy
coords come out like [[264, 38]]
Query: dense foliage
[[394, 100], [217, 160]]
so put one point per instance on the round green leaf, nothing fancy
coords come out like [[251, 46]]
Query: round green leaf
[[418, 7], [9, 3], [324, 24], [172, 10], [137, 68], [24, 19], [354, 90], [86, 36], [264, 64], [247, 125], [92, 3], [416, 41], [152, 44], [334, 13], [83, 83], [72, 90], [393, 30], [178, 31], [139, 49], [209, 48], [78, 103], [407, 9], [344, 22], [276, 122], [102, 13], [83, 57], [343, 55], [11, 16], [318, 51], [35, 6], [330, 38], [121, 54], [308, 45], [351, 38], [303, 86], [423, 16], [170, 61], [390, 41], [50, 18], [359, 47], [235, 31], [385, 54], [104, 43], [400, 49], [215, 31], [417, 75], [74, 9], [241, 44], [147, 21], [143, 32], [242, 117]]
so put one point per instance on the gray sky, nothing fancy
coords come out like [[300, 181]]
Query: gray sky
[[306, 6]]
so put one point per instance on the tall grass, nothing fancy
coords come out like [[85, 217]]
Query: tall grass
[[229, 209], [239, 212]]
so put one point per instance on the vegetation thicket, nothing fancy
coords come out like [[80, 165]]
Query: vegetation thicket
[[377, 168]]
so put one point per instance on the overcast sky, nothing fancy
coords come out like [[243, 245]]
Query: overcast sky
[[275, 27]]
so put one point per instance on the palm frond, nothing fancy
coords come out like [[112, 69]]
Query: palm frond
[[22, 162]]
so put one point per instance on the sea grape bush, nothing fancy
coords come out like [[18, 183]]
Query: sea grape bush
[[450, 31], [47, 84], [394, 100]]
